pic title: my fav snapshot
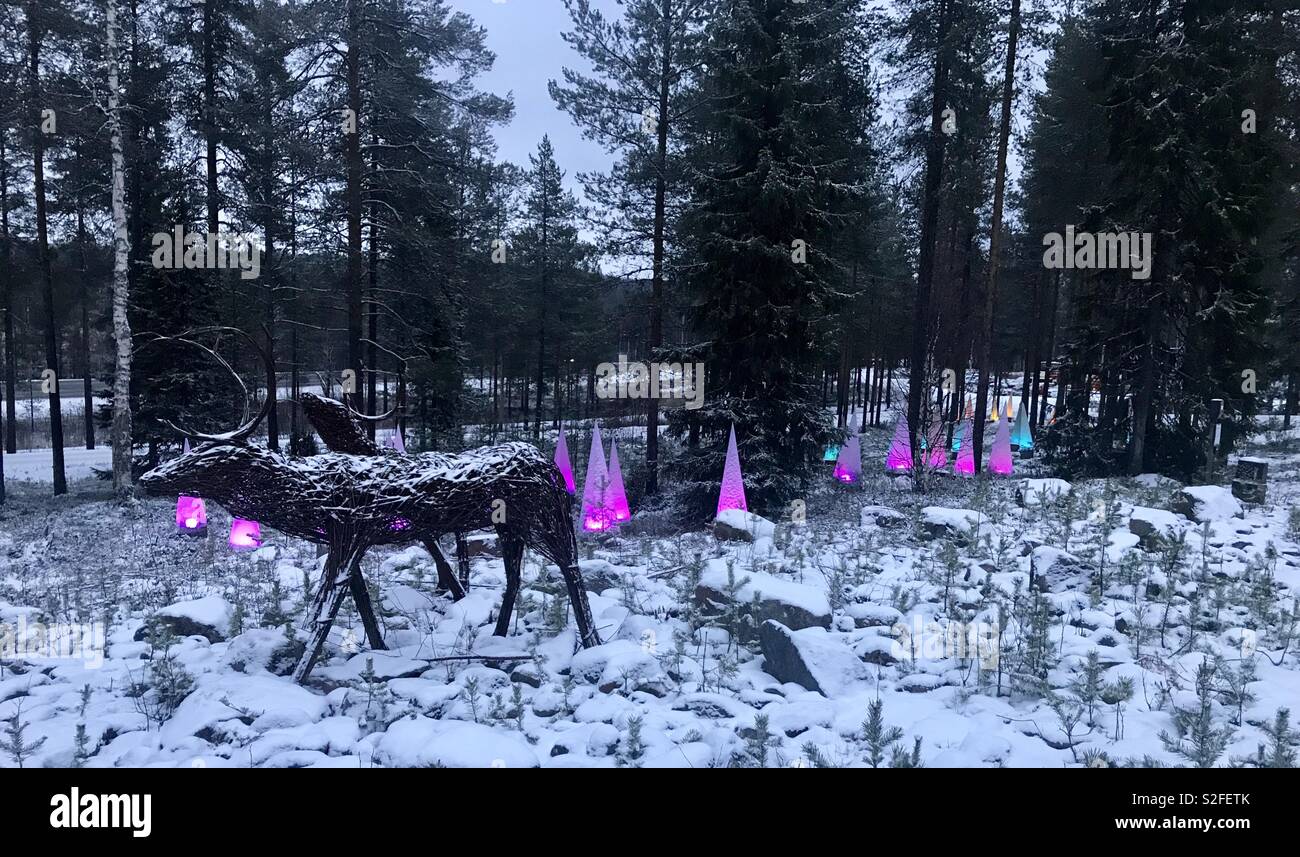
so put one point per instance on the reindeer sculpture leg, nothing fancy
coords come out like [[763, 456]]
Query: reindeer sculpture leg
[[361, 597], [462, 559], [446, 579], [335, 583], [512, 553], [587, 633]]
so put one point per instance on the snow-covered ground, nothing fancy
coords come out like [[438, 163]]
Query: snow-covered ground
[[765, 652]]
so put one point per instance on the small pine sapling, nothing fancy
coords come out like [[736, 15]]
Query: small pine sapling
[[881, 739]]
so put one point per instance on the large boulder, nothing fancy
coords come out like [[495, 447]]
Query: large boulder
[[1153, 527], [1036, 492], [959, 525], [203, 617], [1058, 571], [795, 605], [883, 517], [737, 525], [618, 665], [810, 657], [1206, 503]]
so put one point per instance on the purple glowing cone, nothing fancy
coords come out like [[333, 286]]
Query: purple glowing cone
[[563, 463], [596, 512], [245, 535], [965, 465], [617, 495], [938, 456], [732, 495], [1000, 456], [900, 451], [848, 467], [397, 442]]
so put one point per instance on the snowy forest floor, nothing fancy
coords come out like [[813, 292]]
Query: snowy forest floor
[[1151, 637]]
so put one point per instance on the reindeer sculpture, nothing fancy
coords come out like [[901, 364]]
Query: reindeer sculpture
[[342, 430], [352, 502]]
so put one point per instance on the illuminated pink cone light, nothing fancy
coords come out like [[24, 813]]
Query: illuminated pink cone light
[[899, 458], [965, 465], [732, 495], [1000, 456], [596, 512], [617, 495], [563, 463]]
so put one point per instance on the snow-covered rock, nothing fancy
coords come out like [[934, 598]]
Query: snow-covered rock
[[1056, 571], [810, 657], [957, 524], [618, 665], [883, 517], [795, 605], [423, 743], [1036, 492], [1206, 503], [1153, 527], [737, 525], [204, 617]]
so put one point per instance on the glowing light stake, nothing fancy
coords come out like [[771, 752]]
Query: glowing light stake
[[1021, 436], [617, 496], [562, 462], [732, 495], [899, 458], [245, 535], [965, 465], [191, 512], [994, 414], [397, 442], [1009, 414], [191, 515], [1000, 456], [596, 514], [970, 409], [848, 466]]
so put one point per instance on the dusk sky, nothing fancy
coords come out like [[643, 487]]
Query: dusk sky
[[525, 36]]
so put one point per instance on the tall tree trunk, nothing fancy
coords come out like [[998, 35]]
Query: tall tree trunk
[[88, 399], [6, 271], [272, 273], [34, 34], [210, 117], [657, 276], [995, 238], [934, 154], [372, 306], [352, 156], [122, 480]]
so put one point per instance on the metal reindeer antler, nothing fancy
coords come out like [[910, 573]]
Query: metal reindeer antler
[[245, 431]]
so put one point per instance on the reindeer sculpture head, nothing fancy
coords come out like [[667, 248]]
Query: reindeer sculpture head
[[366, 496]]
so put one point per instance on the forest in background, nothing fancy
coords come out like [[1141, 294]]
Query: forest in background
[[812, 198]]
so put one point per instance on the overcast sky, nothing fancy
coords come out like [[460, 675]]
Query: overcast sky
[[525, 36]]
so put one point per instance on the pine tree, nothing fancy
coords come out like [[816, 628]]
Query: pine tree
[[772, 184]]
